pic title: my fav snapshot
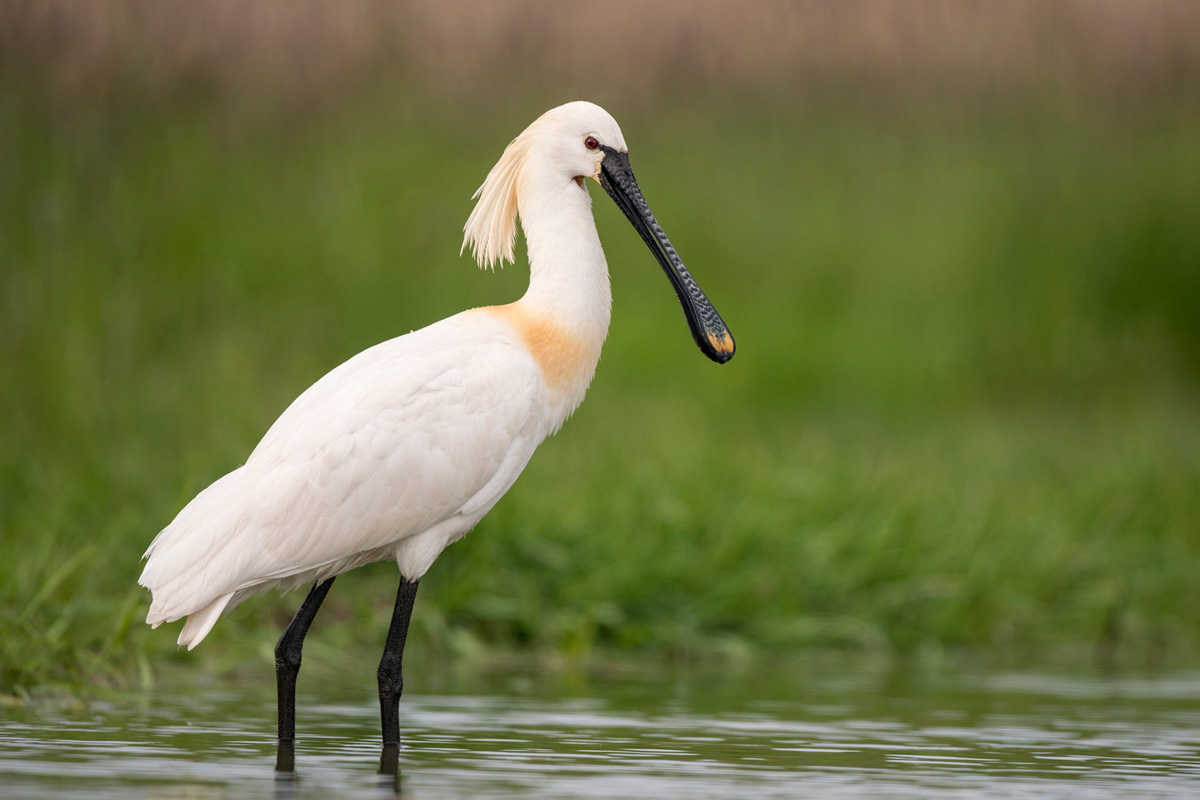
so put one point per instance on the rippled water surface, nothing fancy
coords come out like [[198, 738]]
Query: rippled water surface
[[828, 733]]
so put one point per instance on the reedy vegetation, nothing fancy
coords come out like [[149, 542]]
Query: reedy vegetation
[[963, 414]]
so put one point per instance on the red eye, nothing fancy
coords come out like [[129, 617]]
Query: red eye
[[590, 143]]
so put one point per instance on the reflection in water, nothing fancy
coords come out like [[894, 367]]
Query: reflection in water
[[285, 784], [288, 785], [840, 735], [389, 768]]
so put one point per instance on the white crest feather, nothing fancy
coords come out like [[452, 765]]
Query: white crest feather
[[491, 230]]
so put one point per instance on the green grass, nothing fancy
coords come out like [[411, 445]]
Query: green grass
[[963, 413]]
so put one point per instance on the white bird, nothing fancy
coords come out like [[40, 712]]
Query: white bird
[[401, 450]]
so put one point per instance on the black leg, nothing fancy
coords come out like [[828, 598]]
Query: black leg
[[287, 667], [391, 680]]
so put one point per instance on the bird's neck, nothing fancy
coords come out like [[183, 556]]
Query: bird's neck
[[568, 276], [569, 300]]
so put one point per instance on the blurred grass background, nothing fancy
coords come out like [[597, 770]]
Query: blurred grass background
[[957, 244]]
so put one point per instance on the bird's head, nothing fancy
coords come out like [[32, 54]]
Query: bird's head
[[577, 141], [574, 139], [570, 142]]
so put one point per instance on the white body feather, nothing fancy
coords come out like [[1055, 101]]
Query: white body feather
[[401, 450]]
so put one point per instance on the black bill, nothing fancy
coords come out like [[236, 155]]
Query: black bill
[[708, 329]]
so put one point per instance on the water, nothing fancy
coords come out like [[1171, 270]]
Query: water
[[805, 732]]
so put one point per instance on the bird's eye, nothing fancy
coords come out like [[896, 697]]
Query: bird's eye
[[590, 143]]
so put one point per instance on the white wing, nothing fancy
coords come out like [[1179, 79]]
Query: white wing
[[420, 430]]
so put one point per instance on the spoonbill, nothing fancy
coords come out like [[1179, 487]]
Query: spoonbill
[[400, 451]]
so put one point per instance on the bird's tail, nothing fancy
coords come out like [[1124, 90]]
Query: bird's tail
[[199, 623]]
